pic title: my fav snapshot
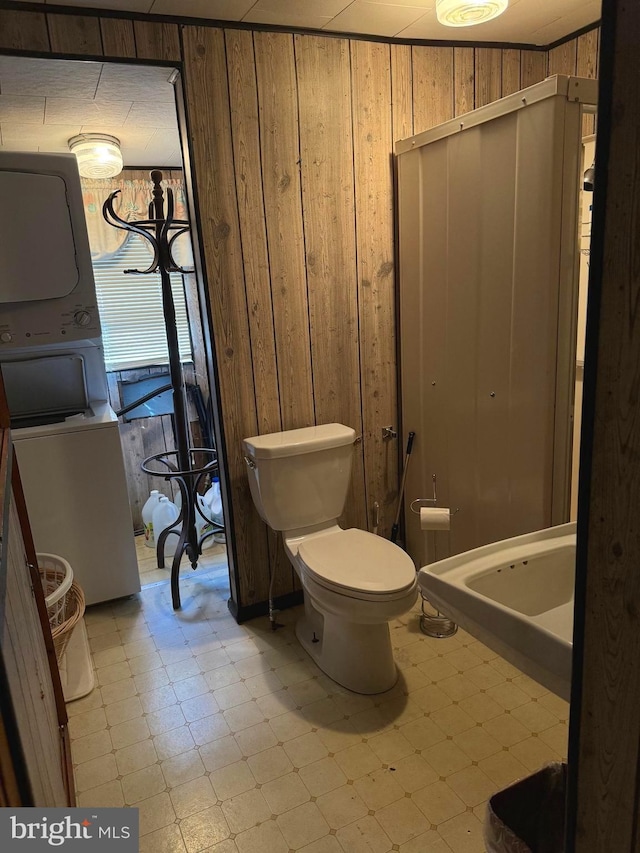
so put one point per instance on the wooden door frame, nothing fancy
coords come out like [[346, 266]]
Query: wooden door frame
[[603, 803]]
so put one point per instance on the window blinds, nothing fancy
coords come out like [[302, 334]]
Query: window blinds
[[133, 330]]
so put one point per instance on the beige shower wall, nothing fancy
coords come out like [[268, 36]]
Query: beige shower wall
[[488, 297]]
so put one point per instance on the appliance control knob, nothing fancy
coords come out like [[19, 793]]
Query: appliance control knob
[[82, 318], [6, 337]]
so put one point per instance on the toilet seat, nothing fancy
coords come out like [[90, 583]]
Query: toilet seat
[[358, 564]]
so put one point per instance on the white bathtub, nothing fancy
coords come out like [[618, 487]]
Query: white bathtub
[[516, 596]]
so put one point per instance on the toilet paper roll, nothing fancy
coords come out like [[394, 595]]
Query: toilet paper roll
[[434, 518]]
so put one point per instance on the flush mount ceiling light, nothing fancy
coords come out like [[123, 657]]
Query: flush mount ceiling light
[[98, 155], [466, 13]]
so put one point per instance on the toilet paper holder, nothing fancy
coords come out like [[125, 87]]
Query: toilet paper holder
[[416, 505]]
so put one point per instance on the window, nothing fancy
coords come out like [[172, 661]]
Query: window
[[133, 330]]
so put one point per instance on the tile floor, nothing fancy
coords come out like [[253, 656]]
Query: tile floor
[[229, 740], [213, 557]]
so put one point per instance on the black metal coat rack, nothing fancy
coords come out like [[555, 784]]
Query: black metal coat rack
[[161, 231]]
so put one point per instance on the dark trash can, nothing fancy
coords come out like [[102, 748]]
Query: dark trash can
[[529, 816]]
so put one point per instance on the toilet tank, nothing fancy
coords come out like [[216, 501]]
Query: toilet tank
[[300, 477]]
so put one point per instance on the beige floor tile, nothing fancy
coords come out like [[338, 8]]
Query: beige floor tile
[[243, 716], [91, 746], [183, 669], [556, 705], [477, 743], [274, 704], [143, 784], [136, 648], [266, 837], [357, 760], [192, 797], [452, 720], [145, 663], [463, 834], [262, 684], [446, 758], [463, 659], [412, 773], [269, 764], [322, 776], [158, 698], [379, 789], [151, 680], [116, 672], [290, 725], [485, 676], [220, 753], [166, 719], [305, 749], [437, 669], [438, 802], [182, 768], [246, 811], [422, 733], [256, 739], [223, 676], [190, 687], [458, 687], [135, 757], [108, 796], [95, 772], [390, 746], [508, 695], [530, 687], [402, 821], [322, 712], [502, 768], [130, 732], [232, 779], [108, 657], [285, 793], [166, 840], [471, 785], [90, 702], [326, 844], [155, 813], [302, 825], [204, 829], [199, 707], [209, 729], [118, 691], [213, 659], [429, 842], [533, 753], [535, 717], [342, 806], [556, 738], [123, 711], [481, 707], [506, 729], [249, 667], [430, 698], [87, 723], [364, 835], [307, 692], [339, 736]]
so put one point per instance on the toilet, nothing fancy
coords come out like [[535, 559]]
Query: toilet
[[353, 582]]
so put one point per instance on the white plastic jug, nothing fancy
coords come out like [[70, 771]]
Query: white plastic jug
[[165, 515], [213, 499], [147, 518], [203, 525]]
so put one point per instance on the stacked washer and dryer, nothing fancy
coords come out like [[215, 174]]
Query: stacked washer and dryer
[[64, 431]]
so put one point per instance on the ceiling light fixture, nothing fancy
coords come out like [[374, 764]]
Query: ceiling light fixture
[[466, 13], [98, 155]]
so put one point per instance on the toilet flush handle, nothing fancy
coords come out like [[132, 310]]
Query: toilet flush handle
[[250, 462]]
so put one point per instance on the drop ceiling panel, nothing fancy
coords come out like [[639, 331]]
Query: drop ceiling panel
[[135, 83], [150, 115], [55, 79], [21, 110], [71, 110], [224, 10], [378, 19]]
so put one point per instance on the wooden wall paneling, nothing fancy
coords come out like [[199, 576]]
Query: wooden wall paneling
[[22, 30], [78, 34], [245, 130], [139, 484], [326, 148], [372, 141], [157, 41], [488, 78], [118, 38], [533, 67], [201, 376], [243, 98], [562, 59], [605, 725], [463, 80], [587, 66], [280, 154], [510, 72], [401, 92], [432, 86], [207, 101]]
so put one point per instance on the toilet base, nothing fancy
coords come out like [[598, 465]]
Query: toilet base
[[356, 656]]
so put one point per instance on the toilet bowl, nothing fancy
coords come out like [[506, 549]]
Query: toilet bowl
[[353, 582]]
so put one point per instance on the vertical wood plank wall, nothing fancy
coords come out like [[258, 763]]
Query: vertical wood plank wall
[[292, 140]]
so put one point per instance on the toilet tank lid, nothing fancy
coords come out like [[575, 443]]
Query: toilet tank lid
[[295, 442]]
